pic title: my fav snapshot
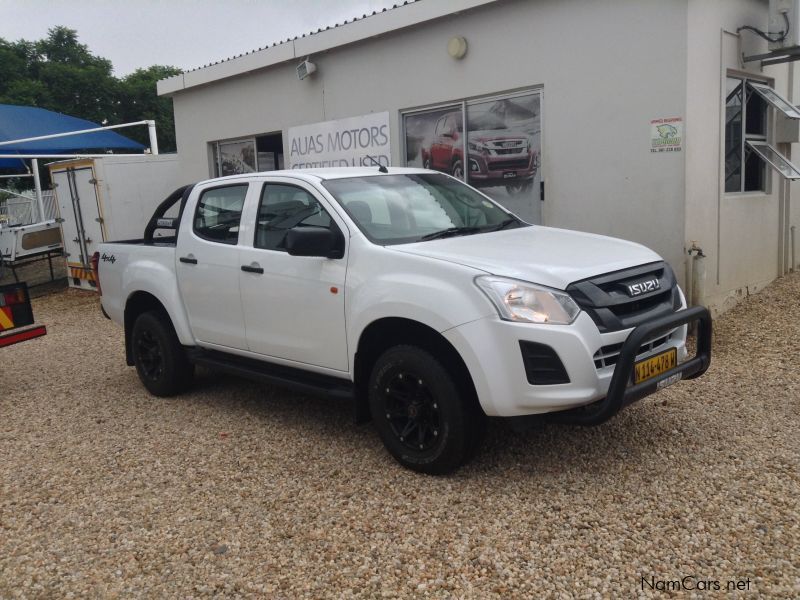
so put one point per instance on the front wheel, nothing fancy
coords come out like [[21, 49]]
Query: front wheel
[[161, 361], [424, 420], [458, 170], [519, 187]]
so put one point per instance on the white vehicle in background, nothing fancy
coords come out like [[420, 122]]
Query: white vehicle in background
[[406, 289]]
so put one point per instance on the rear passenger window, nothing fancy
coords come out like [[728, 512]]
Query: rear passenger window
[[283, 207], [219, 211]]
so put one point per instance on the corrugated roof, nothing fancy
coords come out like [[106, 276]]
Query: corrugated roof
[[401, 15], [307, 34]]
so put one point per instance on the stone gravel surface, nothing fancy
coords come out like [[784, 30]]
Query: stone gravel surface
[[237, 489]]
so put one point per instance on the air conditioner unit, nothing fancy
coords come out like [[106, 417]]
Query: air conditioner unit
[[782, 12]]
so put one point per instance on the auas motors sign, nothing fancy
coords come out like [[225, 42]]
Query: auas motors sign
[[351, 142]]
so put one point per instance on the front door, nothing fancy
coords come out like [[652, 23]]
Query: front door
[[208, 265], [293, 305]]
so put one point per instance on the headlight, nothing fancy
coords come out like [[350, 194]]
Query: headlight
[[528, 303], [477, 146]]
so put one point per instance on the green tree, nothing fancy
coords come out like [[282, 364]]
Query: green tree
[[59, 73], [138, 100]]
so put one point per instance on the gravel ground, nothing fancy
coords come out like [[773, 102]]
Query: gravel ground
[[237, 489]]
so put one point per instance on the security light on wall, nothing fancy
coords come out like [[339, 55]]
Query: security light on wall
[[305, 68], [457, 47]]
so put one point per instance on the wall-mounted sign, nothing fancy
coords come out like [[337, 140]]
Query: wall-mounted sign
[[666, 135], [342, 143]]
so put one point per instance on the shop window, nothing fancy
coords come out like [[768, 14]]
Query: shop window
[[492, 143], [248, 155]]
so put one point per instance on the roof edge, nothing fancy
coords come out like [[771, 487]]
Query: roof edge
[[377, 24]]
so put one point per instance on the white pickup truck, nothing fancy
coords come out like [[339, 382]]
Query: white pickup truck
[[408, 291]]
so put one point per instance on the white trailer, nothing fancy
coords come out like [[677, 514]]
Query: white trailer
[[109, 198]]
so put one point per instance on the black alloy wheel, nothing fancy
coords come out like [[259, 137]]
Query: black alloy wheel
[[160, 360], [427, 417], [412, 412], [149, 354]]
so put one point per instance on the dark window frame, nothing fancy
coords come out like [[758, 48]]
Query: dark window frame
[[245, 185], [262, 195], [746, 157]]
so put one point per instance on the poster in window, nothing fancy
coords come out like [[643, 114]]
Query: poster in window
[[237, 157], [434, 140], [504, 152]]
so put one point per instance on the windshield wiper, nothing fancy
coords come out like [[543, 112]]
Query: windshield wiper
[[450, 232], [504, 224]]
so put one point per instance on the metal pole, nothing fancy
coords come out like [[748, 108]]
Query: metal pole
[[794, 260], [68, 133], [37, 185], [151, 131]]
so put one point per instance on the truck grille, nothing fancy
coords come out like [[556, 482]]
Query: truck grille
[[498, 165], [609, 355], [607, 301]]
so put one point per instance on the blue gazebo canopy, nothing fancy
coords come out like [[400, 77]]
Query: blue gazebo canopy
[[20, 122]]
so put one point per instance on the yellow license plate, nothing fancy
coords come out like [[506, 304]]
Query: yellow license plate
[[655, 365]]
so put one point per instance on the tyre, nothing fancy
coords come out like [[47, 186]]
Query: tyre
[[425, 421], [457, 170], [520, 187], [160, 359]]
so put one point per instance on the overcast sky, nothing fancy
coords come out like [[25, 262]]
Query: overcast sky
[[181, 33]]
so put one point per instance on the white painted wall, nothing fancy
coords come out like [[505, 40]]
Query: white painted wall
[[607, 67], [737, 232]]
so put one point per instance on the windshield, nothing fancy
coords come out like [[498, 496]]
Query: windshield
[[397, 209]]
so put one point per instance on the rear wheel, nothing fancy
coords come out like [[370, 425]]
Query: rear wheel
[[425, 421], [158, 355]]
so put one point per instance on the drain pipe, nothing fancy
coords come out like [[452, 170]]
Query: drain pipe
[[697, 278], [793, 266]]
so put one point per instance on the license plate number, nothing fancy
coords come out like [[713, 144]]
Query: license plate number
[[509, 174], [655, 365]]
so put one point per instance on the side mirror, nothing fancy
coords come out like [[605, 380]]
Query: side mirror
[[315, 241]]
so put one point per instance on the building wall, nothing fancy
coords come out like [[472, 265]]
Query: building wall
[[607, 69], [738, 233]]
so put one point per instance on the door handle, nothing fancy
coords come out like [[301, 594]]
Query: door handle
[[189, 260], [254, 268]]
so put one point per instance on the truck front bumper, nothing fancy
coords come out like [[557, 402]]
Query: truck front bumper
[[490, 348]]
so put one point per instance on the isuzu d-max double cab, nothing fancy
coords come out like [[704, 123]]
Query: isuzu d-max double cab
[[405, 289]]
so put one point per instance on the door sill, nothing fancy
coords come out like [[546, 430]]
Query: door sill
[[299, 380]]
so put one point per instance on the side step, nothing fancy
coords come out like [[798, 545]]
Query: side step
[[295, 379]]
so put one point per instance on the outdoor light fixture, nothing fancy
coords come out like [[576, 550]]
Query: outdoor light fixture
[[305, 68], [457, 47]]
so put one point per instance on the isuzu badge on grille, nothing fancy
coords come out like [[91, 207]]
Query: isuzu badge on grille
[[642, 287]]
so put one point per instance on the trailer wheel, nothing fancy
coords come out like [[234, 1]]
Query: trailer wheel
[[160, 359], [421, 415]]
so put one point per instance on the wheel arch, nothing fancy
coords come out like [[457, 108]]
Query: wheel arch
[[386, 332], [139, 302]]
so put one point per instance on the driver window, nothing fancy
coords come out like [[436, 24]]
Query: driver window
[[283, 207]]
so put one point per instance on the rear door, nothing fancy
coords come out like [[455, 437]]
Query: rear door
[[293, 305], [208, 263], [82, 227]]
